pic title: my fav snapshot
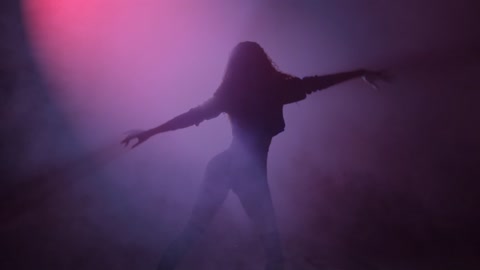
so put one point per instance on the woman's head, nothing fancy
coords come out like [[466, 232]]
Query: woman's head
[[248, 60], [248, 66]]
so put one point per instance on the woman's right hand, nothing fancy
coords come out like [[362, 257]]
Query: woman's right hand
[[140, 135], [372, 77]]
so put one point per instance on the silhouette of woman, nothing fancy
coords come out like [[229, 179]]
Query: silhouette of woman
[[252, 93]]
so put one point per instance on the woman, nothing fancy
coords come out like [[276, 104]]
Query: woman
[[252, 93]]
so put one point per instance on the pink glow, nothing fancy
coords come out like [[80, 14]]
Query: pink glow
[[120, 65], [123, 59]]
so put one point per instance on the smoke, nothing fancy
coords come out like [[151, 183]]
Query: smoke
[[360, 178]]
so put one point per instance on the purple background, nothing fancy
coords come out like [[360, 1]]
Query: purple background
[[361, 179]]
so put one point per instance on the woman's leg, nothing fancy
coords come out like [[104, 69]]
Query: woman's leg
[[254, 195], [213, 192]]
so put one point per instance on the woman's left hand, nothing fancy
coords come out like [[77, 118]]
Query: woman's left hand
[[140, 135]]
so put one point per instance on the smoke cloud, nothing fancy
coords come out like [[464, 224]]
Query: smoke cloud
[[361, 179]]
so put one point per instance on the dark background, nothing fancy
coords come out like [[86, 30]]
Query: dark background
[[390, 182]]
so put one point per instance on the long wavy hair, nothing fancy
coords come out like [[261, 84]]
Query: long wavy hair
[[249, 72]]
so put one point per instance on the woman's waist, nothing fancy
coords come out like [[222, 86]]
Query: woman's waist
[[255, 139]]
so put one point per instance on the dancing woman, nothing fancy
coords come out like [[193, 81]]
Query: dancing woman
[[252, 93]]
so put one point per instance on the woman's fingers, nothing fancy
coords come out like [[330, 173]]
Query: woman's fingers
[[372, 77], [135, 145], [140, 135], [370, 82], [127, 140]]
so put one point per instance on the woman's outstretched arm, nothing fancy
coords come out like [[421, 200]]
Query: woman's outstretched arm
[[208, 110], [300, 88], [315, 83]]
